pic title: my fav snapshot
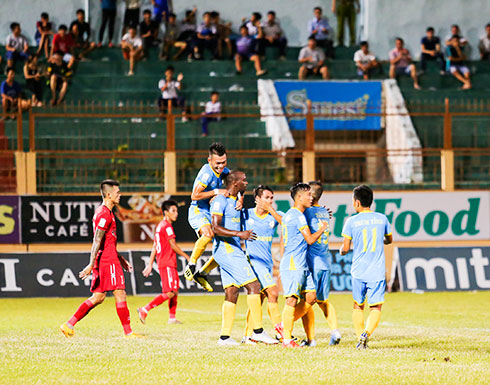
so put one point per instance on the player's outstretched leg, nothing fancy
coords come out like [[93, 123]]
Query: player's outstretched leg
[[68, 327], [158, 300], [123, 314], [198, 250]]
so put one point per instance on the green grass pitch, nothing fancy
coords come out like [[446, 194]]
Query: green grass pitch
[[436, 338]]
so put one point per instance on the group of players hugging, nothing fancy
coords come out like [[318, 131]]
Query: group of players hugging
[[218, 215]]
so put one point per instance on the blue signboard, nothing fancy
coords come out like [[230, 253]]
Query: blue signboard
[[350, 101]]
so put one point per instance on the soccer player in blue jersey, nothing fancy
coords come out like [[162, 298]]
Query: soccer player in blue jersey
[[369, 232], [263, 220], [236, 271], [296, 278], [319, 258]]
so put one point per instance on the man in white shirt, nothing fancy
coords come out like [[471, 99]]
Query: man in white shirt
[[16, 46], [312, 61], [484, 45], [169, 89], [365, 61], [132, 48], [211, 112]]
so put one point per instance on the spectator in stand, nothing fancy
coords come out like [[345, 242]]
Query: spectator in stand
[[44, 31], [132, 48], [223, 32], [455, 30], [161, 9], [170, 38], [346, 10], [58, 73], [312, 59], [188, 31], [148, 32], [273, 34], [244, 50], [484, 45], [131, 14], [365, 61], [255, 31], [16, 46], [319, 28], [211, 113], [456, 61], [64, 43], [109, 9], [12, 96], [80, 30], [401, 63], [431, 50], [206, 38], [34, 83], [169, 89]]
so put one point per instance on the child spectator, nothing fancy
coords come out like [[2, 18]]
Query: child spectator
[[431, 50], [206, 37], [80, 30], [11, 95], [16, 46], [456, 62], [170, 39], [131, 14], [255, 31], [401, 63], [244, 50], [33, 76], [169, 89], [132, 48], [58, 73], [312, 61], [161, 9], [484, 45], [63, 43], [223, 34], [44, 31], [273, 34], [319, 28], [109, 8], [148, 32], [365, 61], [211, 112]]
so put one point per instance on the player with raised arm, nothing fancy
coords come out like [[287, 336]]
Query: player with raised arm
[[263, 221], [319, 257], [165, 249], [236, 271], [369, 232], [299, 288], [106, 265]]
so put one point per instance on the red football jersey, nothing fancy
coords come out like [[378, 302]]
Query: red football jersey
[[165, 254], [104, 219]]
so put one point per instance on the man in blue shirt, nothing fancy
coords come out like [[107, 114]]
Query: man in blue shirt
[[320, 29], [10, 90], [369, 232]]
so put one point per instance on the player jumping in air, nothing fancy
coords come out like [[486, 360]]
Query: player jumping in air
[[165, 249], [318, 259], [106, 265], [263, 221], [368, 231], [235, 269], [296, 278]]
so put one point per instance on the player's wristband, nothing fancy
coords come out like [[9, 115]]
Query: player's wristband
[[216, 191]]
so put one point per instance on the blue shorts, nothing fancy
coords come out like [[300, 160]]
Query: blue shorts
[[297, 282], [322, 284], [375, 292], [235, 269], [14, 55], [198, 218], [263, 273]]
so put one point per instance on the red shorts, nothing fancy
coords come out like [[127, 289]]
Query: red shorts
[[170, 278], [107, 278]]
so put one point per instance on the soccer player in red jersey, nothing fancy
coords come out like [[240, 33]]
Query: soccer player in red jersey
[[106, 265], [165, 249]]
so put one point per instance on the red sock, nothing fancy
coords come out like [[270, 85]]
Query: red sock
[[123, 313], [81, 312], [172, 307], [158, 300]]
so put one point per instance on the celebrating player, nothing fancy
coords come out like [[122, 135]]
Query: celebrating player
[[106, 265], [318, 259], [165, 249], [263, 221], [296, 278], [367, 231], [235, 269]]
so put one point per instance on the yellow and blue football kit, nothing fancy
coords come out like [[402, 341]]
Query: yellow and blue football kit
[[227, 251], [367, 231]]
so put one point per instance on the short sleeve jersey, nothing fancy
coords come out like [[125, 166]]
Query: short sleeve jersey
[[210, 180], [134, 41], [363, 58], [104, 219], [316, 54], [171, 91], [264, 227], [213, 108], [367, 231], [63, 44], [318, 256], [430, 44], [231, 220], [13, 90], [295, 246], [244, 45], [166, 256]]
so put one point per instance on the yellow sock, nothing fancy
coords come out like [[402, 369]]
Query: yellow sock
[[255, 306], [309, 324], [288, 321], [209, 265], [248, 327], [330, 313], [358, 319], [228, 318], [300, 309], [199, 248], [373, 321], [274, 313]]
